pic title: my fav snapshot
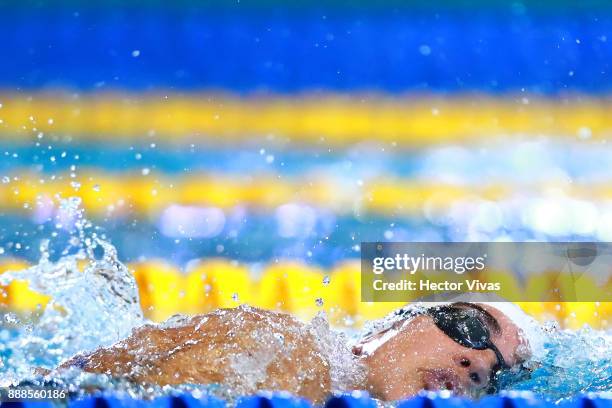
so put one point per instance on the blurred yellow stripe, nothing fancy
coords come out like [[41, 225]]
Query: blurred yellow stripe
[[335, 119], [293, 287], [17, 295], [107, 194]]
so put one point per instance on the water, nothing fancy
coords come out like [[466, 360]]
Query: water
[[95, 303], [554, 192], [573, 362]]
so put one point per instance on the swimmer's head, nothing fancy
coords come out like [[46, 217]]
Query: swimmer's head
[[459, 348]]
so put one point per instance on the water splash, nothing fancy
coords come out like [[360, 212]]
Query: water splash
[[345, 371], [93, 301], [575, 362]]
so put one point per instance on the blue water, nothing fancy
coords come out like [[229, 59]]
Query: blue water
[[574, 363], [570, 362], [100, 306], [521, 160], [540, 175]]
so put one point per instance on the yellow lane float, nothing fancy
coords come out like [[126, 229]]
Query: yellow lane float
[[329, 119], [134, 193], [17, 296], [306, 290]]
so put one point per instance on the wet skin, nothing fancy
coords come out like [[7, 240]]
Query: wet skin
[[245, 348], [421, 356], [213, 348]]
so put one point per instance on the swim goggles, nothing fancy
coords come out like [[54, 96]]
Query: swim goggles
[[467, 326]]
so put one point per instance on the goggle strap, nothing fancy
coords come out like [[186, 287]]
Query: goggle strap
[[500, 357]]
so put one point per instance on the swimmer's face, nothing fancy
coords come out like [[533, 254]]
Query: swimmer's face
[[422, 357]]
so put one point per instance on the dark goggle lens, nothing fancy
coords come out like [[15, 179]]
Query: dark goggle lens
[[462, 327]]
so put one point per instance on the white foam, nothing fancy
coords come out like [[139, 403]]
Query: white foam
[[345, 370]]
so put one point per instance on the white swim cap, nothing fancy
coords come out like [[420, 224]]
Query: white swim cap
[[530, 329]]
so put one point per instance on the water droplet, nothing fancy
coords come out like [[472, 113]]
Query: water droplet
[[235, 297], [425, 49], [146, 171], [584, 132], [11, 318], [348, 321], [319, 302], [326, 280], [6, 180], [96, 187], [136, 53]]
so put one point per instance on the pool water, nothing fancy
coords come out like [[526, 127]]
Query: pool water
[[100, 305]]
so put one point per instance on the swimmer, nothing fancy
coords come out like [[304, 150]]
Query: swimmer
[[459, 347]]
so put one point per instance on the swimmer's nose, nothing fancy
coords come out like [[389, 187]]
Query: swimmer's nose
[[357, 349], [474, 372]]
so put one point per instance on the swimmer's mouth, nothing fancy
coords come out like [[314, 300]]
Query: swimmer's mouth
[[439, 379]]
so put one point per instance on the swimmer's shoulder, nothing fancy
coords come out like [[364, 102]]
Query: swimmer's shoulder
[[246, 316], [243, 317]]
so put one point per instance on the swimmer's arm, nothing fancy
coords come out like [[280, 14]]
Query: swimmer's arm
[[120, 358], [145, 346]]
